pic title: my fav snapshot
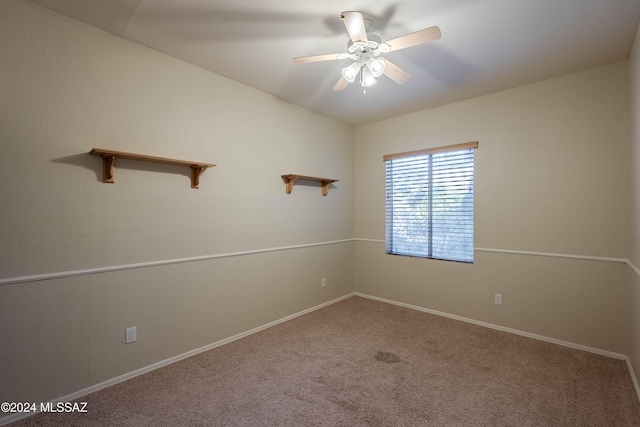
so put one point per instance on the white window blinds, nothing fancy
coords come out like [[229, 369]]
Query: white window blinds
[[429, 207]]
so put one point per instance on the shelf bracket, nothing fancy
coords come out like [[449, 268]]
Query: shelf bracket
[[195, 176], [108, 169], [325, 187], [289, 181]]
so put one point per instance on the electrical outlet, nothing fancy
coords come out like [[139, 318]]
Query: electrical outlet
[[130, 335], [323, 283], [498, 299]]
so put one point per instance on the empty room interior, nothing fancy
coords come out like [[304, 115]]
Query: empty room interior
[[175, 184]]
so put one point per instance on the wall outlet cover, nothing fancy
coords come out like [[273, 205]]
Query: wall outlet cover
[[130, 335]]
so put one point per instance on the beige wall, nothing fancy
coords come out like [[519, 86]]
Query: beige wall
[[551, 177], [634, 204], [67, 87]]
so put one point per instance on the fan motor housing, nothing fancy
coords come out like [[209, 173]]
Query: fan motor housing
[[373, 41]]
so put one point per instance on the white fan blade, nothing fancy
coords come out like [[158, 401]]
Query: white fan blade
[[317, 58], [341, 85], [355, 26], [413, 39], [396, 73]]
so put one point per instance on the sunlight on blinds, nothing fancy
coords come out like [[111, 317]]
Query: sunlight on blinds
[[429, 206]]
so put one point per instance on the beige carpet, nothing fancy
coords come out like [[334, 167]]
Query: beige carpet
[[364, 363]]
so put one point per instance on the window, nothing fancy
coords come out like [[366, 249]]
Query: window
[[430, 203]]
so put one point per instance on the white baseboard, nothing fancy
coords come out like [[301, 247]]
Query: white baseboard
[[517, 332], [633, 377], [146, 369], [499, 328], [152, 367]]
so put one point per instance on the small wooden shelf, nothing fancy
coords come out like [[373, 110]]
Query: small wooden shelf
[[109, 157], [291, 178]]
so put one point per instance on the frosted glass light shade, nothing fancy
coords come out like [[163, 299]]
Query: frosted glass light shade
[[376, 66], [350, 72], [367, 77]]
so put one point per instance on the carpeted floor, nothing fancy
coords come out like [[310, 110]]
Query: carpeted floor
[[364, 363]]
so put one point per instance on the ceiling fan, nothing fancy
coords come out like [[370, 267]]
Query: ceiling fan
[[365, 50]]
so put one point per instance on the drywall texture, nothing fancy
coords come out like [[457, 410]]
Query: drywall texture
[[551, 176], [67, 87], [61, 336], [634, 206], [634, 322]]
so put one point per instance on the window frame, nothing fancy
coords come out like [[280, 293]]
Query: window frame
[[429, 193]]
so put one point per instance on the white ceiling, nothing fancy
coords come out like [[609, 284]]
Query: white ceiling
[[486, 45]]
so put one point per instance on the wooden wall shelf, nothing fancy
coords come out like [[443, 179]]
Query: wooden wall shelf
[[291, 178], [109, 157]]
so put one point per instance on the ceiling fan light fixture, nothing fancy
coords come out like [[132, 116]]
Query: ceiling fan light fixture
[[361, 46], [364, 49], [368, 79], [349, 73], [384, 48], [376, 66]]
